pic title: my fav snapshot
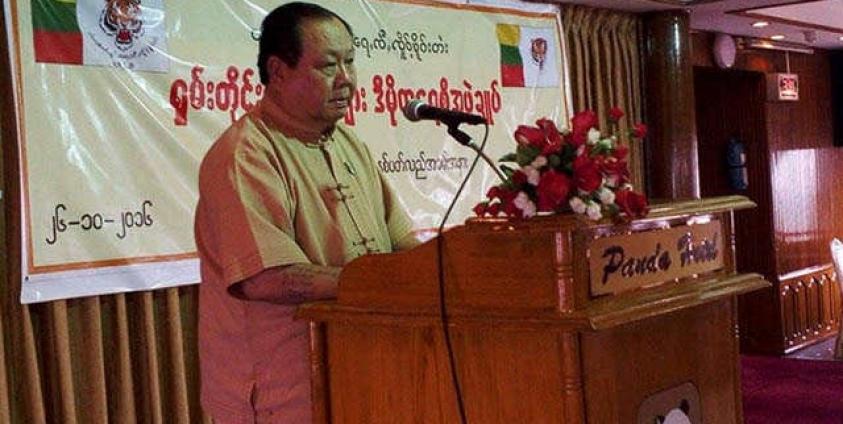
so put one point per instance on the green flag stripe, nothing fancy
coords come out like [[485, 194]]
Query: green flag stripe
[[510, 55], [52, 15]]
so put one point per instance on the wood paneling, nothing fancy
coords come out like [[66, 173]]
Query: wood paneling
[[646, 344], [794, 177], [810, 306], [731, 104], [6, 122]]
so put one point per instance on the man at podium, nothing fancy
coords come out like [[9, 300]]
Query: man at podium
[[288, 195]]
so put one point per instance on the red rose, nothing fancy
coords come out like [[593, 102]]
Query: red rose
[[639, 130], [509, 209], [577, 139], [547, 125], [530, 136], [508, 195], [583, 121], [551, 133], [613, 167], [632, 203], [552, 148], [494, 209], [615, 114], [553, 139], [481, 208], [494, 192], [580, 124], [552, 190], [519, 178], [620, 152], [586, 174]]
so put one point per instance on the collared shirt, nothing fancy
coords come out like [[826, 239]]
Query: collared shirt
[[267, 199]]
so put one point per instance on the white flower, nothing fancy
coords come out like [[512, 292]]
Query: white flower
[[577, 205], [581, 150], [530, 210], [593, 211], [523, 202], [593, 136], [539, 162], [606, 196], [532, 174], [612, 181]]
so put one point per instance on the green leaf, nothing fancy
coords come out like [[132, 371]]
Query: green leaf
[[509, 157], [554, 161], [507, 171], [525, 155]]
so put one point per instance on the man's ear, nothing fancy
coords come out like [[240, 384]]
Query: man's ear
[[276, 68]]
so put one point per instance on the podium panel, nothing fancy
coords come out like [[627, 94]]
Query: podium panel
[[552, 320]]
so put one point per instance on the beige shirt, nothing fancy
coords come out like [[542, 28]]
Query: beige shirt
[[268, 199]]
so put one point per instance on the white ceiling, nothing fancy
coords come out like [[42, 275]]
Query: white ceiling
[[787, 17]]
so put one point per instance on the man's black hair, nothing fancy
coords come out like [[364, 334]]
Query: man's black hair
[[281, 34]]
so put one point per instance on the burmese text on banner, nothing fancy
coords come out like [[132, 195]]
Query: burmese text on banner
[[120, 99]]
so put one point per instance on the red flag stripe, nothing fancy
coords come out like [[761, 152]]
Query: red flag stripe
[[58, 47], [512, 75]]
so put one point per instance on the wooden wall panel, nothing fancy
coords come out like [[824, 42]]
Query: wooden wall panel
[[5, 407], [804, 168], [795, 177], [731, 104]]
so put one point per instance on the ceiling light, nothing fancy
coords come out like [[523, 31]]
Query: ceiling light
[[777, 37], [841, 38], [760, 24]]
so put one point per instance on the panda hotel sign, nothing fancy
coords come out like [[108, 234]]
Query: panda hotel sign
[[625, 262]]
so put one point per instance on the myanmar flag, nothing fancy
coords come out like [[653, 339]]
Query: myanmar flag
[[56, 33], [512, 66], [529, 56], [101, 33]]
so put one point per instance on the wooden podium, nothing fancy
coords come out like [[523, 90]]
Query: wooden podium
[[552, 320]]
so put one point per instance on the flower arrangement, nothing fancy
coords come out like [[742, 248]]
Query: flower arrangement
[[578, 169]]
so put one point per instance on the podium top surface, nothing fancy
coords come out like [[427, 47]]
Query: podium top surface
[[547, 269]]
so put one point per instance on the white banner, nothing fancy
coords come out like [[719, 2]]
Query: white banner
[[119, 100]]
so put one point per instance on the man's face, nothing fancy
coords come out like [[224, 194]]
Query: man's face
[[317, 92]]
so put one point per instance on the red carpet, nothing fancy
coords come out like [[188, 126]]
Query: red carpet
[[782, 391]]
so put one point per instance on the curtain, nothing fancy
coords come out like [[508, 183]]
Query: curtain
[[603, 48]]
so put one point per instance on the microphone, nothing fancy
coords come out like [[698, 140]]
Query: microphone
[[416, 110]]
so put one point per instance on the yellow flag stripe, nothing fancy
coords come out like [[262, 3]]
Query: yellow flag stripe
[[508, 34]]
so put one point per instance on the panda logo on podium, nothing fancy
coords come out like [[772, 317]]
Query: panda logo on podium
[[676, 415]]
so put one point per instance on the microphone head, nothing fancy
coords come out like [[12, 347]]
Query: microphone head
[[411, 110]]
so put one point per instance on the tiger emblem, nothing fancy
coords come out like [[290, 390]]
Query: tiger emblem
[[121, 19]]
